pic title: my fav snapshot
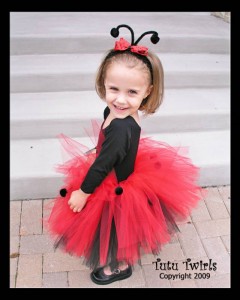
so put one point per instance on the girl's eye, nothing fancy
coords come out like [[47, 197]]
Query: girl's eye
[[132, 92], [113, 88]]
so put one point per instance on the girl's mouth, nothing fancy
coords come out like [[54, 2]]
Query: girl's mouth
[[119, 108]]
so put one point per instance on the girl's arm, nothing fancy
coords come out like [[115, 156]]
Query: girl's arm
[[113, 151]]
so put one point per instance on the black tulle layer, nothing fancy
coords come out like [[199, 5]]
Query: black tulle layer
[[92, 259]]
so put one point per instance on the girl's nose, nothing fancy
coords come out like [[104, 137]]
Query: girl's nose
[[120, 99]]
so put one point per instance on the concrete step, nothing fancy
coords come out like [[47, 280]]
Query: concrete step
[[76, 72], [53, 62], [32, 161], [80, 32], [44, 115]]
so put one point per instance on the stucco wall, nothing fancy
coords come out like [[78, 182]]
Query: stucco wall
[[225, 15]]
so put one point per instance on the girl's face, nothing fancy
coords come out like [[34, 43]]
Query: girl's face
[[125, 89]]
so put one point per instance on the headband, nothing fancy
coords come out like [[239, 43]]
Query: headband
[[140, 52]]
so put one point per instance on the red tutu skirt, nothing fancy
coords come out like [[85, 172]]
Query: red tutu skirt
[[161, 191]]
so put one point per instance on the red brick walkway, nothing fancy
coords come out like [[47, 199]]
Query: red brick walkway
[[204, 237]]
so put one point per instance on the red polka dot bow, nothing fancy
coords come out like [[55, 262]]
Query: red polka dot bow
[[122, 45]]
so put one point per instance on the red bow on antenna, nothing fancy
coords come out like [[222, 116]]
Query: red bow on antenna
[[124, 45]]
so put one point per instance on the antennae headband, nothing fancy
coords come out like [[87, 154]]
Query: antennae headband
[[122, 44]]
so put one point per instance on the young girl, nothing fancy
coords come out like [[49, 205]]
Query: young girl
[[123, 201]]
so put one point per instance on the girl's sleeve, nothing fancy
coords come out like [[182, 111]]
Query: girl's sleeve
[[113, 151]]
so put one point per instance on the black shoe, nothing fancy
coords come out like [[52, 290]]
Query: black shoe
[[99, 277]]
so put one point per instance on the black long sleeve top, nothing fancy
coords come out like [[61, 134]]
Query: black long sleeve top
[[118, 152]]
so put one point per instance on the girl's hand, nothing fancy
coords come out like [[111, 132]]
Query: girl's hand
[[77, 200]]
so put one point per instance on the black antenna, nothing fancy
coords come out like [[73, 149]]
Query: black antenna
[[154, 38], [115, 32]]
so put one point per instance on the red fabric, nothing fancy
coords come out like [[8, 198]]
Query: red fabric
[[162, 177], [122, 45]]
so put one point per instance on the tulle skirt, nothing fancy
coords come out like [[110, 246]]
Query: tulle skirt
[[161, 191]]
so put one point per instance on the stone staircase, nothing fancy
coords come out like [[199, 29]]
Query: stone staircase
[[54, 58]]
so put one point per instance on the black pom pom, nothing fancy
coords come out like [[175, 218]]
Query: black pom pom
[[63, 192], [118, 190], [155, 39], [114, 32]]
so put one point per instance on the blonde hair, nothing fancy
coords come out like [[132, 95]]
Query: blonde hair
[[156, 76]]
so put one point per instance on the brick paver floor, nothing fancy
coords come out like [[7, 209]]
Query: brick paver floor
[[197, 257]]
